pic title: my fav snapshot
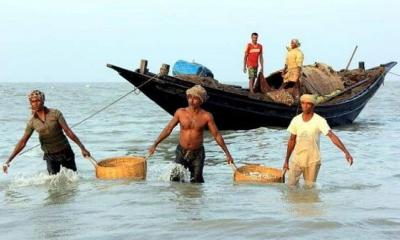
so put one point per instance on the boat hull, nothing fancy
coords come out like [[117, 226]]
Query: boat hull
[[238, 111]]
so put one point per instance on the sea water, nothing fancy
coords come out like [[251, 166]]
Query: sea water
[[357, 202]]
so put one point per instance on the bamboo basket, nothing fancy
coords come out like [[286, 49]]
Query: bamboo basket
[[126, 167], [258, 174]]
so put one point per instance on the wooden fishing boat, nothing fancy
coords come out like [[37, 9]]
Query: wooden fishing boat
[[235, 108]]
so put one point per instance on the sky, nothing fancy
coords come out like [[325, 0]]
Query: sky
[[72, 41]]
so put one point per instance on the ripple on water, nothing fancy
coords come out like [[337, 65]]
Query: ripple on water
[[396, 175], [356, 187]]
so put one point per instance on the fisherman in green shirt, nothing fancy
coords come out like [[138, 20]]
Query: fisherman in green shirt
[[50, 124]]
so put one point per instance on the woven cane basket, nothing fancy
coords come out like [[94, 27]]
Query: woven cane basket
[[258, 174], [126, 167]]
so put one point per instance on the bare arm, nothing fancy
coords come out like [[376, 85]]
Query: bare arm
[[218, 138], [244, 61], [68, 131], [335, 139], [18, 148], [262, 63], [290, 148], [165, 132]]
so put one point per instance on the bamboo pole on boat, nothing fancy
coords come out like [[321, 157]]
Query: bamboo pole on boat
[[351, 58]]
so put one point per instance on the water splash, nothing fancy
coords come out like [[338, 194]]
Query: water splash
[[175, 171], [65, 176]]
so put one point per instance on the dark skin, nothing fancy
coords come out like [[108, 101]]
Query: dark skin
[[37, 107], [192, 121], [308, 112]]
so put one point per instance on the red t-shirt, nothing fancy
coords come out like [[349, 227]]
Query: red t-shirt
[[253, 53]]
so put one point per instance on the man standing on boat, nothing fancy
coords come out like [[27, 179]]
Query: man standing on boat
[[253, 55], [305, 130], [292, 71], [192, 120], [51, 126]]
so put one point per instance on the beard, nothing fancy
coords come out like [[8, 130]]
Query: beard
[[37, 108]]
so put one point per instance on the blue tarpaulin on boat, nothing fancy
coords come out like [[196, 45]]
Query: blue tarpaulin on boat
[[182, 67]]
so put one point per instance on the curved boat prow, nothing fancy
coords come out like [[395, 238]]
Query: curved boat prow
[[118, 69], [388, 66]]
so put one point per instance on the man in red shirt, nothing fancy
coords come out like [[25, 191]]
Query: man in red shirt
[[252, 55]]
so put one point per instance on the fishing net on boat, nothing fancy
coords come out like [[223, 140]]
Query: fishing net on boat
[[351, 77], [320, 79], [281, 96]]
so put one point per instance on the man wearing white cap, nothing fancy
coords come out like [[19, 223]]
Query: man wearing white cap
[[305, 130], [192, 120]]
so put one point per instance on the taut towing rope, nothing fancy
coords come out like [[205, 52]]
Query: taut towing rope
[[135, 90], [396, 74]]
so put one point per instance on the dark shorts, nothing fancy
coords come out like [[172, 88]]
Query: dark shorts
[[192, 160], [65, 158]]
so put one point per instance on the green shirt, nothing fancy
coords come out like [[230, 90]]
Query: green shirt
[[51, 135]]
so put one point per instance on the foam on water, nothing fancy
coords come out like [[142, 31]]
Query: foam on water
[[176, 170], [65, 176]]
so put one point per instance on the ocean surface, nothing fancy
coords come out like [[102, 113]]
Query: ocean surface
[[358, 202]]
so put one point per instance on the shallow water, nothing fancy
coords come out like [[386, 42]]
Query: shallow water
[[347, 203]]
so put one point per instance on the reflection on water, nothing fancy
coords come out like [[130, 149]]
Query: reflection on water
[[184, 191], [304, 202], [61, 194], [188, 198]]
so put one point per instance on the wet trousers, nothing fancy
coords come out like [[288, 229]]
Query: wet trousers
[[65, 158], [193, 160], [309, 173]]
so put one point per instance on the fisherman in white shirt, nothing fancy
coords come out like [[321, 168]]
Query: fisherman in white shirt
[[305, 130]]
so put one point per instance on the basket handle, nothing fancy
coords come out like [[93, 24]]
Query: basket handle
[[252, 164], [283, 175], [233, 166], [147, 157], [93, 161]]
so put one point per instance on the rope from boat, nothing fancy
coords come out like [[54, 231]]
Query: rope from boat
[[100, 110], [135, 89], [396, 74]]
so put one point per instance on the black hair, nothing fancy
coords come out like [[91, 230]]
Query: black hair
[[254, 34]]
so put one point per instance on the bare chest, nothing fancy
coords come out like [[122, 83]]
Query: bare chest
[[192, 122]]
